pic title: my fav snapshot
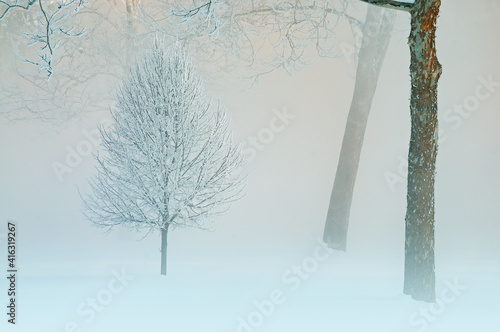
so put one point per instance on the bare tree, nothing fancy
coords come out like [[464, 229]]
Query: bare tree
[[170, 158], [425, 70]]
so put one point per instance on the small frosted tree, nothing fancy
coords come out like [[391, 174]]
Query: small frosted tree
[[170, 160]]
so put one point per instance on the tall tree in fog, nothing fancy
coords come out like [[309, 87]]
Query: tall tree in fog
[[293, 27], [375, 41], [425, 70], [170, 161]]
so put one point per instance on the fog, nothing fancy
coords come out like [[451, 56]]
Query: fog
[[241, 275]]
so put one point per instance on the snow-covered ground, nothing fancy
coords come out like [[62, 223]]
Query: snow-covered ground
[[341, 292]]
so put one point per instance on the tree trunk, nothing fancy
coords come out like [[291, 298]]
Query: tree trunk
[[164, 233], [376, 36], [419, 279]]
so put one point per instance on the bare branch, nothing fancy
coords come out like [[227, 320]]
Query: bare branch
[[49, 25], [259, 36], [186, 13], [86, 69], [404, 6]]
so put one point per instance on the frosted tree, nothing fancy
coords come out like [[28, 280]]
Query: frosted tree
[[170, 161]]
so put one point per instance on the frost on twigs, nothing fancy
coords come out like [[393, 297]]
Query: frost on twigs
[[50, 27], [169, 158], [85, 72], [6, 6], [260, 35]]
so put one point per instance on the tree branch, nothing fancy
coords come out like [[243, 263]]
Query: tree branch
[[10, 7], [50, 24], [404, 6]]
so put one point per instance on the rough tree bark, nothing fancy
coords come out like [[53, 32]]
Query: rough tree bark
[[164, 233], [425, 69], [376, 36]]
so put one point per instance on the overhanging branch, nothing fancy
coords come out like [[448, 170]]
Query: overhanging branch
[[404, 6]]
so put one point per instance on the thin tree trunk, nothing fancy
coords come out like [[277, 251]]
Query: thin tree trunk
[[419, 278], [376, 36], [164, 233]]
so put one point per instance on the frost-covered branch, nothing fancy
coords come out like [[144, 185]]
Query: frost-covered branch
[[192, 12], [50, 25], [399, 5], [6, 7], [264, 35], [86, 69]]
